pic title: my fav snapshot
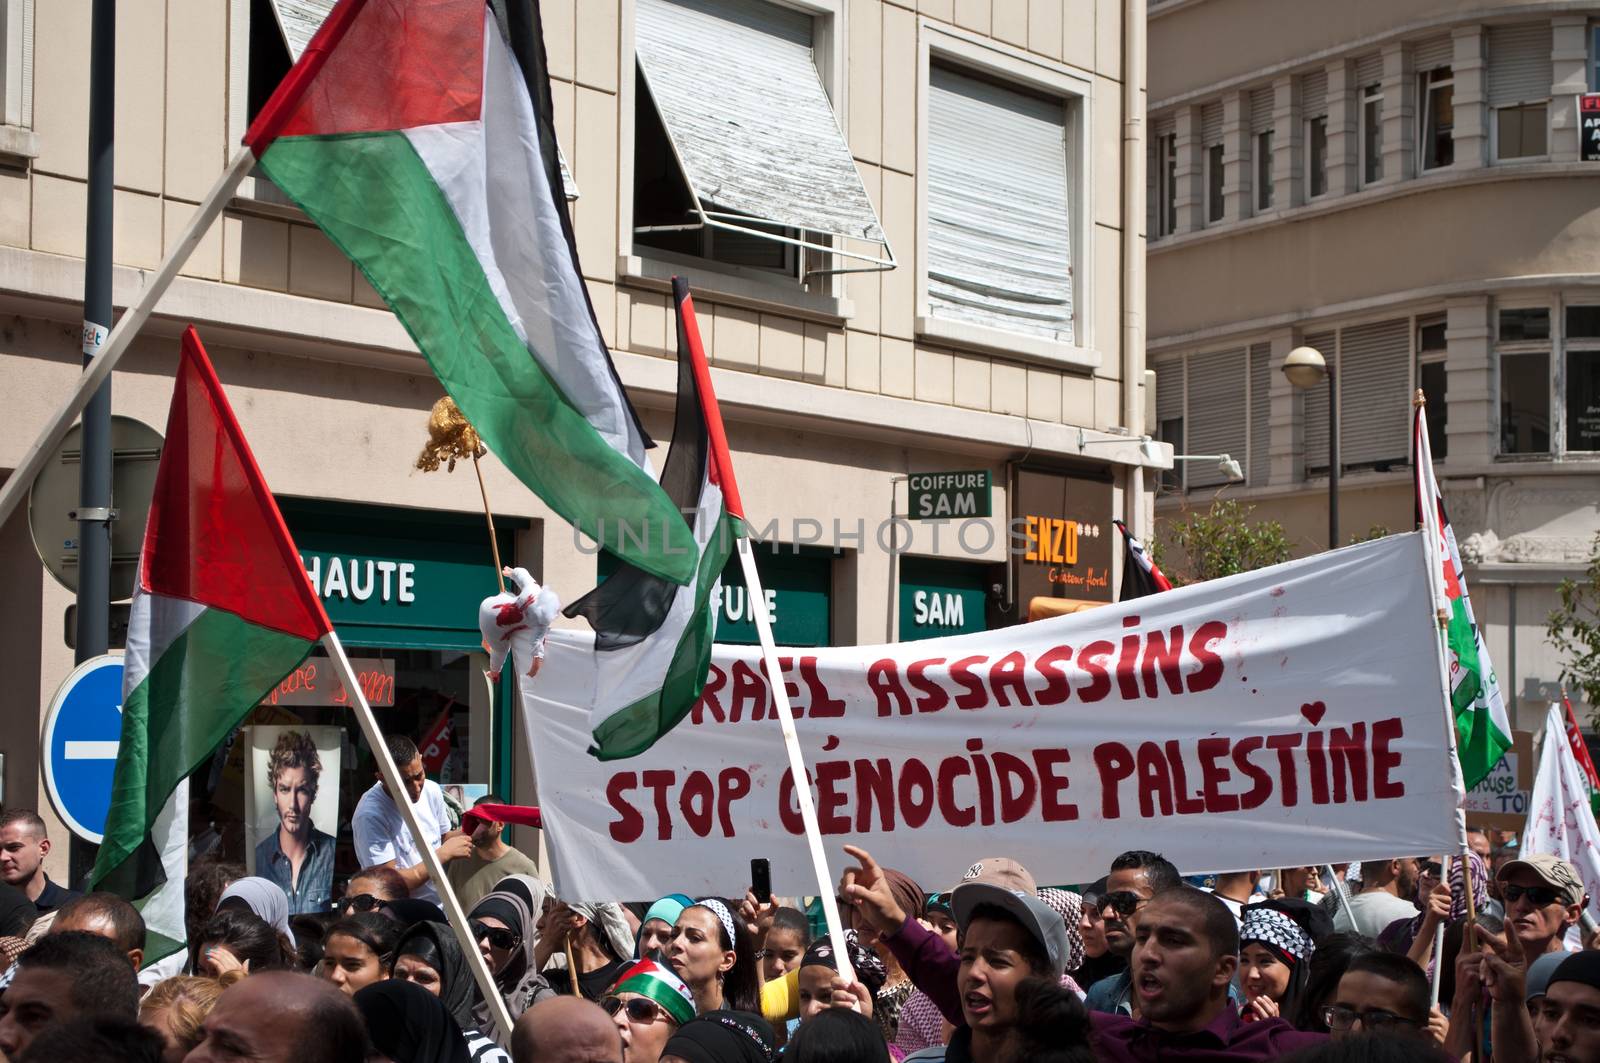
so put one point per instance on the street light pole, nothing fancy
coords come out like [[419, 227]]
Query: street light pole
[[1333, 462]]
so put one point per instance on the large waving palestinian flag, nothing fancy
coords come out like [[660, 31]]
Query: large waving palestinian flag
[[222, 611], [653, 638], [418, 135]]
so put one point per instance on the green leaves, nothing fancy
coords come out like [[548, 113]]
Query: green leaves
[[1219, 541], [1574, 630]]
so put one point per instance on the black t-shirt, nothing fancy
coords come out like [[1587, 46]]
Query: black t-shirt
[[592, 985], [1104, 965]]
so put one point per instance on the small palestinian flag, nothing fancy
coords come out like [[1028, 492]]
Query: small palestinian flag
[[653, 638], [1140, 574], [222, 610], [418, 135]]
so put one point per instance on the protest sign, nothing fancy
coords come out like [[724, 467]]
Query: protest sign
[[1275, 718], [1500, 801]]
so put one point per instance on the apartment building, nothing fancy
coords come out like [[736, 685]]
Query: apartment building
[[1400, 185], [904, 225]]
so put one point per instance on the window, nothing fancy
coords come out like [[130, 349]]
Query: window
[[1594, 58], [1216, 402], [1438, 118], [1264, 170], [1371, 134], [1166, 185], [1431, 353], [16, 72], [1372, 374], [737, 147], [1524, 353], [1520, 131], [1214, 183], [1169, 417], [1519, 78], [1000, 193], [1317, 156], [1583, 378]]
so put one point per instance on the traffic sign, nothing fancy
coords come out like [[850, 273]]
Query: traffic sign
[[82, 729]]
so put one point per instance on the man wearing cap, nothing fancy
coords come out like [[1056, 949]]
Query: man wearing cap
[[1567, 1021], [1544, 898]]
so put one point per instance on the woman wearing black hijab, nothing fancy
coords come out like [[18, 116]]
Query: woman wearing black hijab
[[721, 1037], [428, 956], [410, 1025]]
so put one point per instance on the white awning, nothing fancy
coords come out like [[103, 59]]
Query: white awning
[[300, 19], [751, 126]]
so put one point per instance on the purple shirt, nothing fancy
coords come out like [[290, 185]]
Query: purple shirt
[[1119, 1039]]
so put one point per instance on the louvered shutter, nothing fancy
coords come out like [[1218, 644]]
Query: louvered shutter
[[1211, 124], [1216, 420], [1314, 94], [1374, 400], [1432, 53], [1169, 392], [1369, 70], [1262, 101], [1260, 414], [998, 236], [1519, 63], [1314, 407]]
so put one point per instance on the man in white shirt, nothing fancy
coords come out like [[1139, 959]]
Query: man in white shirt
[[382, 839], [1237, 889], [1386, 889]]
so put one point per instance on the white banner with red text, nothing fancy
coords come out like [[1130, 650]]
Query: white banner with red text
[[1288, 716]]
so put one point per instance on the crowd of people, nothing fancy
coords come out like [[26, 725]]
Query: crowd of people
[[1300, 964]]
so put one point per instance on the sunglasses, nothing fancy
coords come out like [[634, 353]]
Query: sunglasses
[[362, 902], [641, 1010], [1123, 902], [498, 936], [1433, 869], [1339, 1017], [1539, 895]]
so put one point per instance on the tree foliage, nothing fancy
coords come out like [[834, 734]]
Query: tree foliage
[[1574, 631], [1220, 541]]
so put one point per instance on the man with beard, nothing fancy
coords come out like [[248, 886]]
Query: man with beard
[[1386, 889], [1185, 955], [1136, 876], [297, 857], [474, 876]]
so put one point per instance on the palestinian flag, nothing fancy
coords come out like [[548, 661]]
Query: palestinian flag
[[654, 638], [1140, 574], [418, 135], [1483, 730], [222, 610]]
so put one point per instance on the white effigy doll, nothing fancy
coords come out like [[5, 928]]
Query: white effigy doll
[[518, 620]]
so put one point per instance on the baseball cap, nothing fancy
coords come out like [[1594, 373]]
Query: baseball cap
[[1000, 871], [1539, 972], [1552, 870], [1038, 918]]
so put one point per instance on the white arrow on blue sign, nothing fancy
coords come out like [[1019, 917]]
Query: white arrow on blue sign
[[82, 729]]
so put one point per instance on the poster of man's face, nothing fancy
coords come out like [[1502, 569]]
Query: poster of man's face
[[291, 814]]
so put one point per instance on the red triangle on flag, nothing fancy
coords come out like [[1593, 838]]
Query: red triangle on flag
[[215, 536]]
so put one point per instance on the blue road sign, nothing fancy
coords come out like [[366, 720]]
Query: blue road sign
[[82, 729]]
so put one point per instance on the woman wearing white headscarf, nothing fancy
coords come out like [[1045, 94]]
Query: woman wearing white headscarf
[[598, 940], [262, 897], [505, 925]]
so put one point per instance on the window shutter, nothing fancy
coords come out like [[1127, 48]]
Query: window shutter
[[1314, 406], [1369, 70], [998, 234], [1211, 124], [1314, 94], [1432, 53], [1216, 421], [1260, 415], [1167, 125], [1374, 400], [1169, 392], [1261, 105], [1519, 63]]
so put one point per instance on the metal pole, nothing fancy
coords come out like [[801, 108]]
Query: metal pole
[[94, 484], [1333, 463]]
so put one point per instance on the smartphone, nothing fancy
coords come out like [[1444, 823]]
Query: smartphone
[[761, 880]]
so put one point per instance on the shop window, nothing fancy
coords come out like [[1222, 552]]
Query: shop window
[[1438, 118], [1166, 185], [1583, 379], [1525, 403], [1214, 183], [1371, 134], [1520, 132], [1264, 170], [1431, 378], [1317, 156]]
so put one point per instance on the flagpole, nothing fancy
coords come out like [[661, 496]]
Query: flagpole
[[498, 1013], [21, 479], [797, 764]]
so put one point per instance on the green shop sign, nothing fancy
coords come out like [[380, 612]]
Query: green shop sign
[[941, 598], [397, 577], [939, 495]]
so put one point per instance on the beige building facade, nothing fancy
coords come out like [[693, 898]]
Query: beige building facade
[[990, 346], [1401, 185]]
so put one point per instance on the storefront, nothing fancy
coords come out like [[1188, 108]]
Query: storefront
[[402, 588], [1065, 539], [940, 597]]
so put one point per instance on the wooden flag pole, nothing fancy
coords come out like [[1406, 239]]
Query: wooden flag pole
[[498, 1014], [797, 764], [488, 515], [20, 482]]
